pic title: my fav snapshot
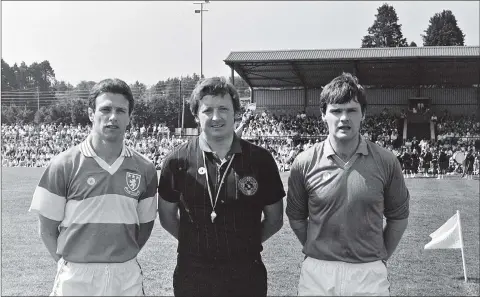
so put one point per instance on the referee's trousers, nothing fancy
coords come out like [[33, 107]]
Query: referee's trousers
[[201, 277]]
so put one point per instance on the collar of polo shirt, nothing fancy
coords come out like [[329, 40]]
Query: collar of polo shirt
[[235, 148], [361, 149], [87, 150]]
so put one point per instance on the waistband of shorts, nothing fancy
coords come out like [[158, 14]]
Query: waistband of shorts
[[123, 265], [188, 258], [365, 265]]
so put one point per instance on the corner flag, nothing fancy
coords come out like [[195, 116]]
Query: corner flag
[[449, 236]]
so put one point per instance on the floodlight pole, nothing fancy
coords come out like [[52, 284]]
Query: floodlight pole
[[201, 10]]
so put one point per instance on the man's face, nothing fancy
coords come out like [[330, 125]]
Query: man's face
[[110, 117], [343, 120], [216, 115]]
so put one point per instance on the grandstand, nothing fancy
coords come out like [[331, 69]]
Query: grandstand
[[397, 79]]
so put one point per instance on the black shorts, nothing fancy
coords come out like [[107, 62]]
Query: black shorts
[[470, 168], [195, 277], [407, 165]]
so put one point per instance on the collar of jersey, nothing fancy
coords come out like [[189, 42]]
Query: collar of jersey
[[87, 150], [235, 148], [361, 149]]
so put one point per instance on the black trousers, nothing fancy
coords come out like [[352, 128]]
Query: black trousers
[[199, 277]]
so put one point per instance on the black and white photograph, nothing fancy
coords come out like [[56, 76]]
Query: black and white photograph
[[240, 148]]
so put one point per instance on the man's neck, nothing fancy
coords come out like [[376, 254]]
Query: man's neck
[[220, 145], [344, 149], [107, 151]]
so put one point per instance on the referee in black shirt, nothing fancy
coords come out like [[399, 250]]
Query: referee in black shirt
[[221, 184]]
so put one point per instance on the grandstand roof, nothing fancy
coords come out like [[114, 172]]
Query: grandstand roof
[[439, 65]]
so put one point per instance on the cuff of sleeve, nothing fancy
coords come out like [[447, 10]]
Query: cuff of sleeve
[[400, 213], [171, 196], [275, 198], [291, 215], [47, 204], [147, 210]]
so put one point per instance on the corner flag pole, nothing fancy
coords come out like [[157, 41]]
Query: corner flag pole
[[461, 240]]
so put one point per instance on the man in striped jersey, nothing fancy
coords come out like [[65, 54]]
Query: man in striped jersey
[[221, 184], [96, 203]]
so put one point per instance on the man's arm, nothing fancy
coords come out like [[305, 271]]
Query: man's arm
[[144, 232], [392, 233], [397, 210], [49, 233], [169, 217], [273, 219], [297, 202], [147, 209], [300, 227]]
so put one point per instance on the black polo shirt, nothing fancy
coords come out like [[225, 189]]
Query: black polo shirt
[[251, 183]]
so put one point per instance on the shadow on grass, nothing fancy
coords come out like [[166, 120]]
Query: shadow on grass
[[474, 280]]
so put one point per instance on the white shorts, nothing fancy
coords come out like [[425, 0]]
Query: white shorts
[[335, 278], [98, 279]]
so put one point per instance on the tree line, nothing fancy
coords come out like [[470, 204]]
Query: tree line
[[442, 30], [30, 98], [32, 94]]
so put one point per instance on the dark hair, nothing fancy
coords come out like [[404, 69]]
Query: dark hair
[[114, 86], [215, 86], [343, 89]]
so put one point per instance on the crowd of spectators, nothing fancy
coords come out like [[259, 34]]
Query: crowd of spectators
[[35, 146], [285, 136], [463, 128]]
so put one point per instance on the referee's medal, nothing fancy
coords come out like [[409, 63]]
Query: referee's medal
[[202, 170]]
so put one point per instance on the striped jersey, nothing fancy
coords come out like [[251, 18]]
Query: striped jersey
[[99, 206]]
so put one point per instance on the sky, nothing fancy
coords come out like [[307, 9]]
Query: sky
[[150, 41]]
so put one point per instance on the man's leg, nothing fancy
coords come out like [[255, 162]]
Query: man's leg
[[79, 279], [196, 278], [245, 278], [318, 278], [366, 279], [125, 279]]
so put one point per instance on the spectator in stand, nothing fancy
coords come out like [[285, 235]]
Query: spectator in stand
[[443, 163], [426, 158], [469, 161]]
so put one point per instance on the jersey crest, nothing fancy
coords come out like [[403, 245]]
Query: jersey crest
[[248, 185], [133, 183]]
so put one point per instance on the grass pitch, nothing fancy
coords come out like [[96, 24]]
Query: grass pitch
[[27, 269]]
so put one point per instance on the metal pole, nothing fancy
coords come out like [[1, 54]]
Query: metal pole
[[38, 99], [201, 40], [183, 112], [180, 114], [200, 11]]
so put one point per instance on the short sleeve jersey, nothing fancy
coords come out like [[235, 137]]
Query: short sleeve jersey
[[251, 183], [99, 206], [346, 202]]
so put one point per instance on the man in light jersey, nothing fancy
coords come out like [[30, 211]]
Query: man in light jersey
[[96, 203], [338, 192]]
